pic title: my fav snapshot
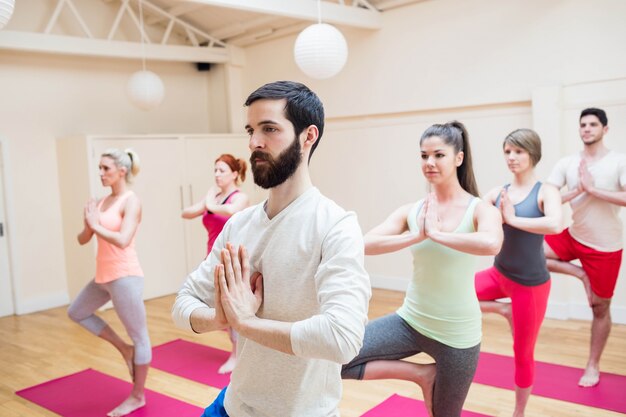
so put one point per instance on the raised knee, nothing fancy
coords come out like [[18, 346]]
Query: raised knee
[[71, 313]]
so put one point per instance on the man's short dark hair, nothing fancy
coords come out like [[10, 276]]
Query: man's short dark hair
[[303, 107], [599, 113]]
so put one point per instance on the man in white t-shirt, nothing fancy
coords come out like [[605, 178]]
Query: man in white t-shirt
[[596, 190], [286, 274]]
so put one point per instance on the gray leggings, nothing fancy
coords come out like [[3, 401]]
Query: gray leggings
[[391, 338], [126, 295]]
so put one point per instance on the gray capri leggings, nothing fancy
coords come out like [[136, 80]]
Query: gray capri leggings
[[126, 295], [392, 338]]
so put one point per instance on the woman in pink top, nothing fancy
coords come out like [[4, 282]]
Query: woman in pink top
[[119, 278], [221, 202]]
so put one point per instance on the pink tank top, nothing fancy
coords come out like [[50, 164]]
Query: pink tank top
[[113, 262], [214, 223]]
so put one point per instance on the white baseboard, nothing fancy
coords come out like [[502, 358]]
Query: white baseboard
[[389, 283], [34, 304], [577, 311], [560, 311]]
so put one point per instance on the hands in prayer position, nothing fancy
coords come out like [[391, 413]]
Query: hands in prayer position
[[238, 295]]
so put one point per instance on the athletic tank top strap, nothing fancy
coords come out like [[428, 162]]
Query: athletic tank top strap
[[228, 197], [116, 203], [529, 206], [466, 223], [414, 212]]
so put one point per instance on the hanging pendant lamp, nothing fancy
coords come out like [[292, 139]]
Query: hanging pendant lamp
[[144, 88], [6, 11], [320, 51]]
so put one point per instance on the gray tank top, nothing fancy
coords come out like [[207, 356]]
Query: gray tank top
[[521, 258]]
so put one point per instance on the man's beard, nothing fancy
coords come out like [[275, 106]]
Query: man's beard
[[274, 172], [595, 140]]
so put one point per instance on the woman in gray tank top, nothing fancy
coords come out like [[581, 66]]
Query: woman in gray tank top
[[529, 210]]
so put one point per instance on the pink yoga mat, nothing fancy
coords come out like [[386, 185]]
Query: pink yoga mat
[[555, 381], [399, 406], [192, 361], [90, 393]]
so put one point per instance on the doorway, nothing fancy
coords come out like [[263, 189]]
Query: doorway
[[7, 306]]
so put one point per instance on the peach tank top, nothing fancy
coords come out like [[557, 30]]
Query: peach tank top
[[113, 262]]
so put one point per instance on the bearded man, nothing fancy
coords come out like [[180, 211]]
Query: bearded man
[[286, 274]]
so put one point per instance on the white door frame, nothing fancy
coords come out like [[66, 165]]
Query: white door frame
[[7, 295]]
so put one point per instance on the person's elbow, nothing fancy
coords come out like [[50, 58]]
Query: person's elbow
[[554, 229], [178, 314], [122, 243], [493, 245], [349, 352], [347, 343]]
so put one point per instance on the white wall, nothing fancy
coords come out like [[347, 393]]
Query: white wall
[[456, 53], [495, 65], [44, 97]]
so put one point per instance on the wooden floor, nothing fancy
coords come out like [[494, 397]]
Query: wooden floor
[[38, 347]]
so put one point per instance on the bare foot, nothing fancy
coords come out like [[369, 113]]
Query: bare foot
[[229, 365], [590, 378], [427, 383], [587, 284], [129, 405], [507, 312]]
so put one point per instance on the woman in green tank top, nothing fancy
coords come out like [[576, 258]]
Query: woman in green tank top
[[440, 315]]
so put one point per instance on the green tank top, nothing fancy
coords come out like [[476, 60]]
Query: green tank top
[[441, 301]]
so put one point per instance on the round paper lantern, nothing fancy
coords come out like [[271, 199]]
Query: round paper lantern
[[320, 51], [145, 90], [6, 10]]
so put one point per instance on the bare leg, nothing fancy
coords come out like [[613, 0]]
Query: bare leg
[[127, 351], [556, 265], [601, 324], [600, 329], [521, 399], [504, 309], [422, 374], [230, 363], [137, 398]]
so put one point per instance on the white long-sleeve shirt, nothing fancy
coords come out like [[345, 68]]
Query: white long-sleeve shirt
[[311, 257]]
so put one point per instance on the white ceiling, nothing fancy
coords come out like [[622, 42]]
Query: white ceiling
[[247, 22], [178, 30]]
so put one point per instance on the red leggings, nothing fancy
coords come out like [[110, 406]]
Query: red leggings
[[528, 306]]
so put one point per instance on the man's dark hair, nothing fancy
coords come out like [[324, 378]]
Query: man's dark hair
[[303, 107], [599, 113]]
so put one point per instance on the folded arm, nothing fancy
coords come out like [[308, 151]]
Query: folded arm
[[391, 235], [130, 220], [550, 223], [486, 240]]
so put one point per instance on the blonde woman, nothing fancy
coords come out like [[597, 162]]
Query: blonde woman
[[114, 221]]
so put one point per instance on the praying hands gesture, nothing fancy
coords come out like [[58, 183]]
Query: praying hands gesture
[[585, 179], [238, 296], [585, 183], [91, 214], [431, 221], [507, 210]]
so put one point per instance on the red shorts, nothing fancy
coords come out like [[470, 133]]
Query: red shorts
[[602, 268]]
